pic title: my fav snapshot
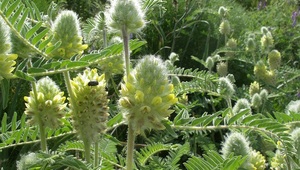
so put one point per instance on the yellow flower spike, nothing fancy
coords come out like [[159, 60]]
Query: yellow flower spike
[[148, 81]]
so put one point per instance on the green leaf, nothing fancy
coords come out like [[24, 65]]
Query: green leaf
[[24, 76], [14, 122], [22, 20], [169, 129], [238, 116], [52, 65], [5, 85], [16, 15], [116, 119], [147, 152], [36, 70], [33, 30], [52, 48], [11, 8], [4, 123], [38, 37], [4, 4], [45, 42], [77, 64], [23, 120]]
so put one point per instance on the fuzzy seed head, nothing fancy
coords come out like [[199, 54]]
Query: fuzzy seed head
[[274, 59], [7, 62], [237, 144], [254, 88], [232, 45], [5, 43], [47, 106], [225, 87], [225, 27], [90, 112], [125, 13], [147, 95], [66, 29], [270, 78], [222, 69]]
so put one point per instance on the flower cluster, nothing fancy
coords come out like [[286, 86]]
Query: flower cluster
[[67, 31], [47, 106], [147, 95], [90, 110]]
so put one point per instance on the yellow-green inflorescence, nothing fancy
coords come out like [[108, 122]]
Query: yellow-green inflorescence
[[147, 95], [67, 30], [47, 106], [7, 61], [90, 110]]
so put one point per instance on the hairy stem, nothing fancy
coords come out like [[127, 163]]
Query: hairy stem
[[96, 156], [87, 150], [130, 147], [125, 36]]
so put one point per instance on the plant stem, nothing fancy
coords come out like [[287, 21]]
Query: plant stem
[[131, 135], [40, 123], [69, 88], [125, 36], [43, 136], [87, 150], [96, 156], [130, 147]]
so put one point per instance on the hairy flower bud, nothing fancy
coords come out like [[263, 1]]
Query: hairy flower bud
[[264, 95], [232, 45], [222, 69], [209, 63], [260, 70], [67, 30], [256, 100], [293, 106], [250, 46], [240, 105], [222, 11], [125, 13], [147, 95], [225, 87], [27, 160], [274, 59], [5, 43], [47, 106], [225, 27], [254, 88], [270, 78], [90, 110], [237, 144], [267, 41]]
